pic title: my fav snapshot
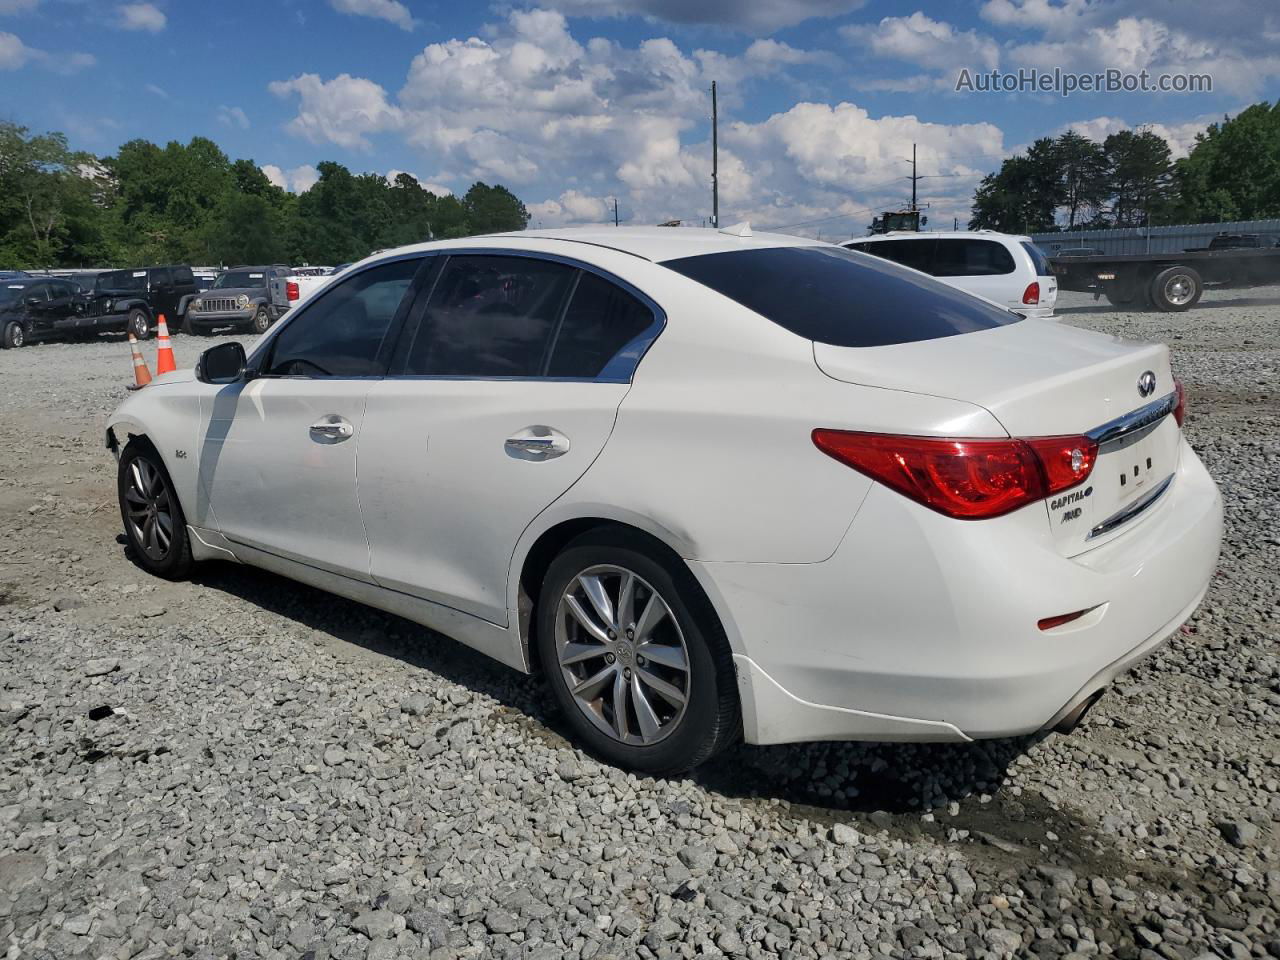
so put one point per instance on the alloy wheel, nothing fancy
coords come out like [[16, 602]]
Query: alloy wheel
[[1178, 289], [622, 655], [149, 509]]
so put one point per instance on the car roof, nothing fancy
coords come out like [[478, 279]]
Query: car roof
[[942, 235], [649, 243]]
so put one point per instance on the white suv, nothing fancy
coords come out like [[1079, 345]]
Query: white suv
[[1006, 269]]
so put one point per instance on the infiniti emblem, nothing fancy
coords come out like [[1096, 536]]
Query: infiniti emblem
[[1147, 384]]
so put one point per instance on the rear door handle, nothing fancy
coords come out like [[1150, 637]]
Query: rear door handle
[[332, 429], [537, 443]]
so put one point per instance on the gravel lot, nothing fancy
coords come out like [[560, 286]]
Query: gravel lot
[[243, 766]]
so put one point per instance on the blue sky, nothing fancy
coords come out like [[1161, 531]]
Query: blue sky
[[573, 102]]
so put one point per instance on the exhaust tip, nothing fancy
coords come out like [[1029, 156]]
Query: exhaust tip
[[1071, 721]]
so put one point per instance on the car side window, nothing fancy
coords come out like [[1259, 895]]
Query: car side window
[[971, 258], [489, 316], [63, 288], [37, 291], [601, 320], [340, 334], [183, 276], [914, 253], [161, 277]]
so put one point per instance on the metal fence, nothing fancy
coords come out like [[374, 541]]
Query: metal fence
[[1171, 239]]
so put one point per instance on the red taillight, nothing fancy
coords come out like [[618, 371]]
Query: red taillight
[[1180, 407], [969, 479], [1048, 623], [291, 290], [1031, 295]]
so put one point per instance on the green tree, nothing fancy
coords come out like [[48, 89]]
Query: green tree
[[1233, 171], [46, 198], [1139, 178], [1023, 195], [1083, 169], [494, 209]]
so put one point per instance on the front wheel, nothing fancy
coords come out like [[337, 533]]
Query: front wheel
[[139, 324], [635, 656], [152, 516], [261, 320], [14, 335]]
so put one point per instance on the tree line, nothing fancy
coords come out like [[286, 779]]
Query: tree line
[[1130, 179], [190, 203]]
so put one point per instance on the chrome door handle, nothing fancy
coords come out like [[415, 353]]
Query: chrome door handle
[[332, 429], [537, 443]]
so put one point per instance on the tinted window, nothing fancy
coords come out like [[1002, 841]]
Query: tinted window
[[183, 276], [837, 296], [916, 253], [341, 332], [971, 258], [490, 317], [39, 291], [161, 277], [1038, 259], [234, 279], [602, 319], [64, 288], [124, 280]]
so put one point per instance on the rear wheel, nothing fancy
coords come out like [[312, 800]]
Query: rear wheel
[[1176, 289], [635, 656], [1119, 296], [152, 515], [14, 335]]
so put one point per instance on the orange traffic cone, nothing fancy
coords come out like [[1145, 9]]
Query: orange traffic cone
[[141, 375], [164, 351]]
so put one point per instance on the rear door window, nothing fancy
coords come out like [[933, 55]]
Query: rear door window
[[490, 316], [183, 276], [837, 296], [915, 252], [342, 332], [601, 321], [963, 257]]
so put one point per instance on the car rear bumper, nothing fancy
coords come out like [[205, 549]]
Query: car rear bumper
[[920, 627]]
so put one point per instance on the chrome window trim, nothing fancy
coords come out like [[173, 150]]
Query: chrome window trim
[[1129, 512], [1136, 421], [638, 345]]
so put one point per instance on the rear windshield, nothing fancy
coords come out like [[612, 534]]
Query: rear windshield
[[1038, 258], [841, 297]]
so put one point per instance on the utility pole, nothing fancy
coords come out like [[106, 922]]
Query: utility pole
[[955, 223], [715, 160], [615, 211], [914, 178]]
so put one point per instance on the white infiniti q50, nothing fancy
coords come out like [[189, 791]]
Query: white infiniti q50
[[712, 485]]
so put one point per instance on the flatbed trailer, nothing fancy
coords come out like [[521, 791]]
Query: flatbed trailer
[[1166, 281]]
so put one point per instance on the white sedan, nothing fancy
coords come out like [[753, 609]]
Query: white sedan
[[713, 485]]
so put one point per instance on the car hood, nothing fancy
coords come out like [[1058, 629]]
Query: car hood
[[232, 292]]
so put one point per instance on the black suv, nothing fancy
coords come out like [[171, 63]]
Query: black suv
[[39, 308], [132, 299]]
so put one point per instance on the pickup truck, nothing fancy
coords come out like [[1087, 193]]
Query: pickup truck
[[287, 292], [1167, 281], [240, 298]]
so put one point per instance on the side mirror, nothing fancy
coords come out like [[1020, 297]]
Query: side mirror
[[221, 364]]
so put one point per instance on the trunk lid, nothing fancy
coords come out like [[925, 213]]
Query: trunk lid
[[1041, 379]]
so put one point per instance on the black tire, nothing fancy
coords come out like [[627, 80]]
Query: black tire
[[144, 496], [1176, 289], [1119, 297], [710, 718], [15, 336], [261, 320], [139, 323]]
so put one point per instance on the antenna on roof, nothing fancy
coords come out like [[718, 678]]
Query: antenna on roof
[[742, 229]]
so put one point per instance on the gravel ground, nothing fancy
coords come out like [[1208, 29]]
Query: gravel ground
[[242, 766]]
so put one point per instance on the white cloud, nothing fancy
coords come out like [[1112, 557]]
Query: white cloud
[[1037, 14], [390, 10], [160, 92], [233, 117], [922, 40], [570, 122], [275, 175], [17, 6], [303, 178], [1181, 137], [342, 110], [299, 179], [141, 16], [437, 189], [14, 54], [751, 16]]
